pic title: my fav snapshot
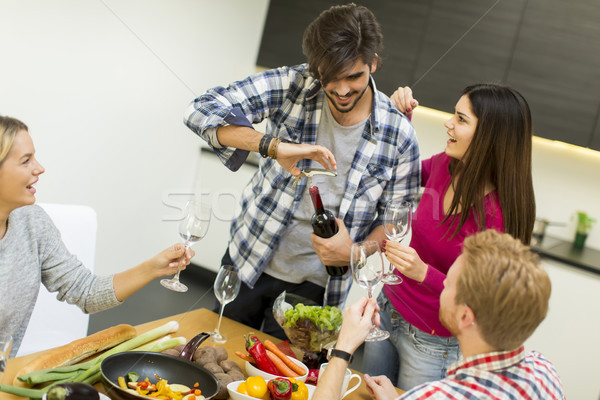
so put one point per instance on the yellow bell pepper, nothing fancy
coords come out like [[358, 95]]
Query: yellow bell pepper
[[301, 392], [122, 383], [257, 387], [243, 388]]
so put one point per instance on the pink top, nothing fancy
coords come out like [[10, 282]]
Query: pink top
[[419, 303]]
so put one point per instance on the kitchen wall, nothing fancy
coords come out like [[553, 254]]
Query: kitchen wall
[[103, 86]]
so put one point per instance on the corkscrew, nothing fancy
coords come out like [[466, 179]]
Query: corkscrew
[[310, 172]]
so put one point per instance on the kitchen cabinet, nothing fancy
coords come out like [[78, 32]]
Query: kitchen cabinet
[[556, 66], [568, 335], [463, 43]]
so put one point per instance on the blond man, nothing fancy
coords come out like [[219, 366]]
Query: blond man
[[495, 296]]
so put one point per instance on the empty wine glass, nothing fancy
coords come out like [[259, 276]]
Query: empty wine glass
[[192, 228], [397, 219], [227, 286], [366, 262]]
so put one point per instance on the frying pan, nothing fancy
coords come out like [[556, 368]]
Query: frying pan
[[146, 364]]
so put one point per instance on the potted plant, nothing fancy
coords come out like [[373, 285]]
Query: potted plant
[[584, 224]]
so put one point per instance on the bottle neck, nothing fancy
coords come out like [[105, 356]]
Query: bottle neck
[[316, 199]]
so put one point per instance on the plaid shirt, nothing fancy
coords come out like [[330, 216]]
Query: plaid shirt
[[500, 375], [386, 165]]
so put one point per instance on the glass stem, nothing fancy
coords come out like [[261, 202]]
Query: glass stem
[[186, 246], [220, 316]]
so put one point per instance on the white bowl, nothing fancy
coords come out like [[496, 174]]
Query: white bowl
[[251, 370], [235, 395]]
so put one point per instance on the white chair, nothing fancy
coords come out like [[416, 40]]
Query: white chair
[[55, 323]]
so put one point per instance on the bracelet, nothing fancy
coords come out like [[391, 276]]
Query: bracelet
[[263, 146], [273, 146]]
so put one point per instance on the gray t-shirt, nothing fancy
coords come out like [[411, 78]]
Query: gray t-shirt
[[32, 252], [295, 259]]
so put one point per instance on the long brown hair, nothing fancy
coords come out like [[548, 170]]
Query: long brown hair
[[338, 38], [500, 154]]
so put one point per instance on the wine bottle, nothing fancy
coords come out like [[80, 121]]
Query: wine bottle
[[325, 226]]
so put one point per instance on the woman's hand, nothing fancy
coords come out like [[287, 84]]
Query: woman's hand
[[404, 101], [334, 251], [167, 261], [406, 260], [164, 263], [380, 387], [289, 154]]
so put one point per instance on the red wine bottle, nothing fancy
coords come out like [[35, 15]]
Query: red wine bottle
[[325, 226]]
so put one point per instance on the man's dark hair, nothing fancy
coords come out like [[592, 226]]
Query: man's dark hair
[[338, 38]]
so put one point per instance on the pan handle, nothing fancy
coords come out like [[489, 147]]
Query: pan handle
[[190, 348]]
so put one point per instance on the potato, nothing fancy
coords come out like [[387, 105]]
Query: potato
[[214, 368], [172, 352], [220, 353], [201, 351], [179, 347], [236, 374], [228, 365], [224, 380]]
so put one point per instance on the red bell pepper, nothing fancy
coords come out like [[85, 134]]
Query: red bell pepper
[[256, 349], [280, 389]]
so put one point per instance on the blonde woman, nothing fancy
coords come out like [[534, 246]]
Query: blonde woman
[[32, 253]]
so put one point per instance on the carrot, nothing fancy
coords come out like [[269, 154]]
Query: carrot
[[284, 369], [292, 365], [245, 357]]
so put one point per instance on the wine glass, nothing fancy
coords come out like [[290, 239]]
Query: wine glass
[[366, 262], [397, 219], [227, 286], [192, 228]]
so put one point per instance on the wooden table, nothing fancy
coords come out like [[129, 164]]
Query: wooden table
[[190, 324]]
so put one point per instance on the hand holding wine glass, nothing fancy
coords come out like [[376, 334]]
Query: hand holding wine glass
[[226, 287], [192, 228], [366, 262], [397, 219]]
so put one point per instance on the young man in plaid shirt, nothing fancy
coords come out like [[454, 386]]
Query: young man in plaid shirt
[[326, 113], [495, 296]]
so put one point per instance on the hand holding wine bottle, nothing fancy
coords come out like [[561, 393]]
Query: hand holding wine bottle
[[325, 226]]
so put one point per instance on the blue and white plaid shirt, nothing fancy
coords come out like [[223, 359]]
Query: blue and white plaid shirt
[[386, 165]]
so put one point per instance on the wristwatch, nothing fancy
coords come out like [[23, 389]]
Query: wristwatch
[[339, 353]]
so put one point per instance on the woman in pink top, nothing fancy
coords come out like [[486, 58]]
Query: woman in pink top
[[481, 181]]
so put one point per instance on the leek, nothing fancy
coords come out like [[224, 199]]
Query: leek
[[128, 345]]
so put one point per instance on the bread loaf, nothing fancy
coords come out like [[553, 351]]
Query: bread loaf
[[79, 349]]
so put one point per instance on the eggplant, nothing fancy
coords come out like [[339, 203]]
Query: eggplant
[[72, 391]]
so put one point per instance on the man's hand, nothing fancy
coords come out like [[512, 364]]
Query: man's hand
[[334, 251], [289, 154], [358, 320], [404, 101], [380, 387]]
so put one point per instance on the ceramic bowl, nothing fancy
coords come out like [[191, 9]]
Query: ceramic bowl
[[233, 393], [251, 370]]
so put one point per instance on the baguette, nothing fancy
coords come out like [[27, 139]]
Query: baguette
[[79, 349]]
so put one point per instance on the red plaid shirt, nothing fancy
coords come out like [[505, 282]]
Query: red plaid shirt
[[500, 375]]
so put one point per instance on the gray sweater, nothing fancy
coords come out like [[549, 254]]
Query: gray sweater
[[31, 253]]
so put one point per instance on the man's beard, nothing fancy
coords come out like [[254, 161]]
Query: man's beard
[[447, 319], [349, 107]]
